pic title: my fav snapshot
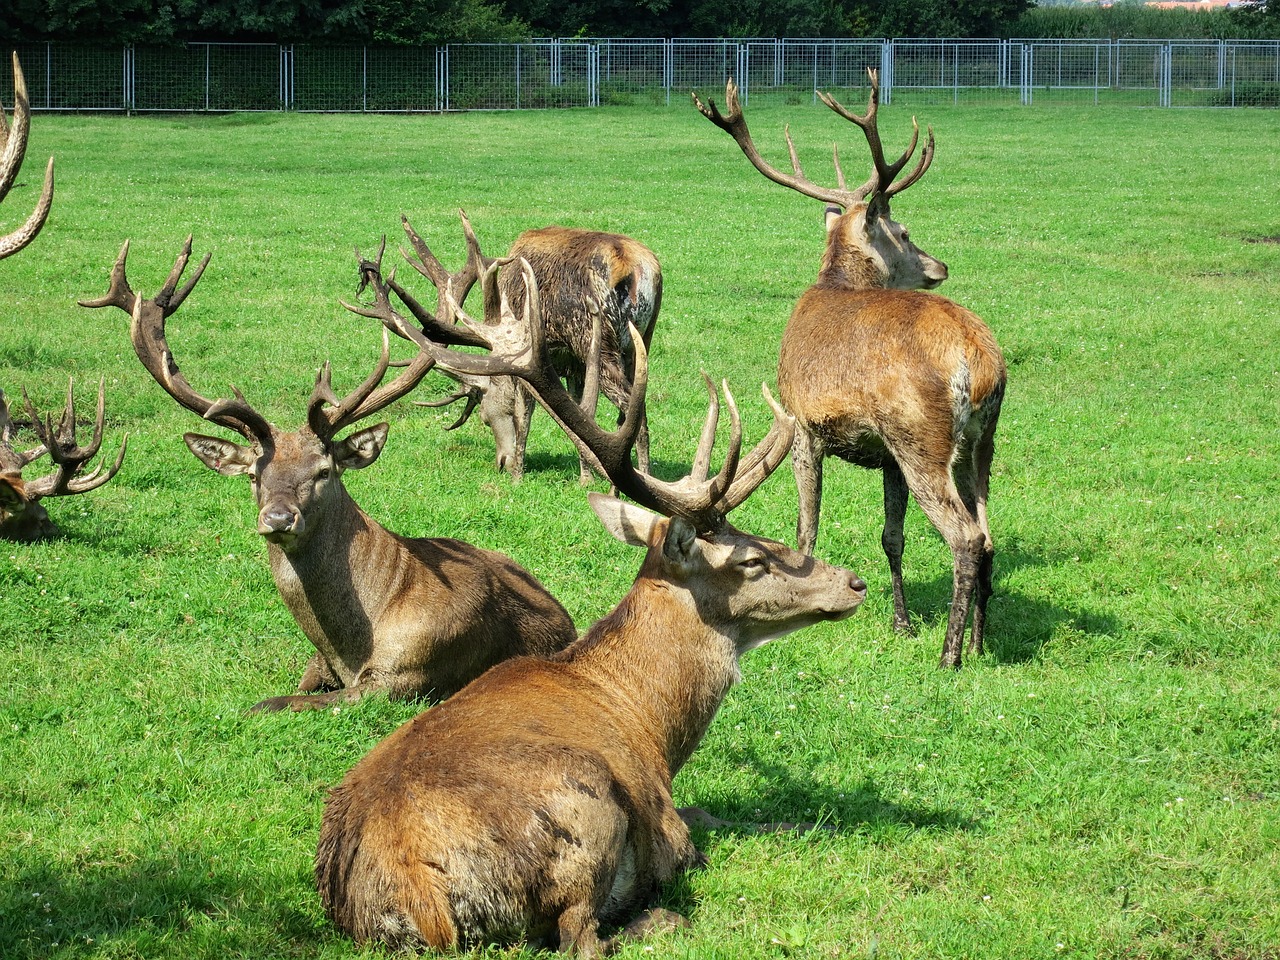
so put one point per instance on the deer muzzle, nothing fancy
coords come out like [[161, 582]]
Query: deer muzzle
[[280, 523]]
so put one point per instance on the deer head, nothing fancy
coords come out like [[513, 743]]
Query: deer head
[[294, 473], [13, 147], [22, 517], [865, 246]]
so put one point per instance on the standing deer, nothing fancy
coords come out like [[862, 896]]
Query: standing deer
[[885, 376], [22, 516], [13, 147], [538, 800], [579, 273], [406, 616]]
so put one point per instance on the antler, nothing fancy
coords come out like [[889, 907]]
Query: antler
[[881, 182], [67, 454], [11, 459], [457, 285], [519, 349], [146, 330], [368, 398], [13, 147]]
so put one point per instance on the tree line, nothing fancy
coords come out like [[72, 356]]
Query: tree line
[[459, 21]]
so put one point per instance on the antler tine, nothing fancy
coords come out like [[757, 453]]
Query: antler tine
[[14, 148], [883, 173], [383, 310], [764, 458], [470, 393], [734, 123], [68, 456], [366, 399], [8, 431]]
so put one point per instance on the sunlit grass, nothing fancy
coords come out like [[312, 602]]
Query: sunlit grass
[[1104, 783]]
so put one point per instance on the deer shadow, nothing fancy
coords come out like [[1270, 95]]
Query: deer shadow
[[1018, 626], [103, 904]]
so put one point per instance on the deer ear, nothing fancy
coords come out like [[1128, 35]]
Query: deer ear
[[223, 456], [877, 209], [362, 448], [627, 522], [834, 213], [11, 491], [677, 547]]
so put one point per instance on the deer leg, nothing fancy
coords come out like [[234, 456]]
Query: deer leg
[[806, 463], [317, 676], [578, 932], [943, 504], [523, 415], [893, 541], [982, 456]]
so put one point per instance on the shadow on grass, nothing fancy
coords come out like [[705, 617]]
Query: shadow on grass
[[184, 897], [862, 809], [1018, 626]]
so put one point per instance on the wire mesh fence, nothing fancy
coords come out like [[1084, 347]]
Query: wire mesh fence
[[587, 73]]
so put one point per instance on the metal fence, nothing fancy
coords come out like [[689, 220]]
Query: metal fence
[[589, 73]]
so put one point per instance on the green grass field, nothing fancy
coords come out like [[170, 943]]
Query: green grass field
[[1104, 783]]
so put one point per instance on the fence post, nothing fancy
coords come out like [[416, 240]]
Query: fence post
[[1028, 65], [593, 74], [130, 90], [742, 56], [886, 72], [668, 67]]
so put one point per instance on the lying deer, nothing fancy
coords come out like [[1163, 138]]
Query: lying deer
[[887, 377], [410, 617], [22, 516], [537, 801], [13, 147], [579, 273]]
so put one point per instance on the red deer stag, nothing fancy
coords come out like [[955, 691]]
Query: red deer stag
[[579, 273], [13, 147], [406, 616], [887, 377], [538, 800], [22, 516]]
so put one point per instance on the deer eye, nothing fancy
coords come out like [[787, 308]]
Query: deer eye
[[323, 474], [753, 565]]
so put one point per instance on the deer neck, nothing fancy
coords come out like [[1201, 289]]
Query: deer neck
[[337, 578], [845, 266], [672, 668]]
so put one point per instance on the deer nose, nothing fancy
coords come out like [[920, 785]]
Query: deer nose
[[857, 585], [276, 522]]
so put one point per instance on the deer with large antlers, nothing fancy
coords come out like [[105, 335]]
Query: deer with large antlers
[[409, 617], [886, 376], [579, 273], [537, 801], [22, 516]]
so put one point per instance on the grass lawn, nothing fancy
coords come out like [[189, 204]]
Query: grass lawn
[[1104, 783]]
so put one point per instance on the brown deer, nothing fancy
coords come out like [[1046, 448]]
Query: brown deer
[[885, 376], [537, 801], [13, 147], [579, 273], [22, 516], [410, 617]]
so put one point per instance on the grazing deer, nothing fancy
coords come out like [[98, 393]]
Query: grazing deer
[[885, 376], [406, 616], [579, 273], [22, 516], [13, 147], [538, 800]]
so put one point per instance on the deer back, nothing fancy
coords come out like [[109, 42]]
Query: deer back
[[581, 270], [874, 367]]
